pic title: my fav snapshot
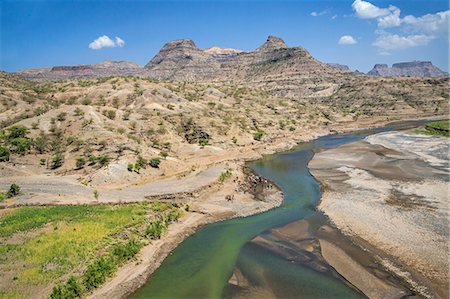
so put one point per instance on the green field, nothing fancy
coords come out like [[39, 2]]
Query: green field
[[436, 128], [72, 247]]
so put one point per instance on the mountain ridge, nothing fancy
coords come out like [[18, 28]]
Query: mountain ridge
[[408, 69]]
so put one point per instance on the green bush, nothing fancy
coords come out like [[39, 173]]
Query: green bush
[[17, 131], [40, 143], [258, 135], [130, 167], [61, 116], [70, 290], [202, 141], [141, 162], [21, 144], [4, 154], [155, 229], [163, 154], [104, 160], [124, 252], [14, 190], [111, 114], [80, 161], [154, 162], [224, 175], [97, 272], [92, 159], [57, 161]]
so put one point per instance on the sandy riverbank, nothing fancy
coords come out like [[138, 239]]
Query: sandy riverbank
[[389, 193]]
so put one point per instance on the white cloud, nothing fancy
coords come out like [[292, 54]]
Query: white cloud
[[389, 41], [366, 10], [409, 31], [318, 14], [436, 24], [347, 40], [105, 42], [334, 17], [391, 20]]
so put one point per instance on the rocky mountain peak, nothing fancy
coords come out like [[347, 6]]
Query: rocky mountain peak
[[180, 43], [408, 69], [272, 43]]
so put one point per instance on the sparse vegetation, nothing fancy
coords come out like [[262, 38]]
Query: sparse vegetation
[[154, 162], [258, 135], [224, 175]]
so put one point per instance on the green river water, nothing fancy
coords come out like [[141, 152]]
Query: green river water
[[202, 265]]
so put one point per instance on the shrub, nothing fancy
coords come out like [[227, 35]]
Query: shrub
[[96, 194], [86, 101], [4, 154], [137, 167], [104, 160], [258, 135], [97, 272], [42, 161], [61, 116], [17, 131], [78, 111], [163, 154], [224, 175], [154, 162], [130, 167], [141, 162], [80, 161], [70, 290], [14, 190], [155, 229], [111, 114], [21, 144], [40, 143], [124, 252], [202, 141], [92, 159], [57, 161]]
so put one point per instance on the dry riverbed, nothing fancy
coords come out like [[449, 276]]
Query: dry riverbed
[[389, 194]]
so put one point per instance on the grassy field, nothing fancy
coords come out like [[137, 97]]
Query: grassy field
[[66, 251], [439, 128], [436, 128]]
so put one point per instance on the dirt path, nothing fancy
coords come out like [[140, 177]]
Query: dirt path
[[57, 190]]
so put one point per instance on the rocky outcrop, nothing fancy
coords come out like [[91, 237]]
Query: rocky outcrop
[[408, 69], [339, 66], [102, 69]]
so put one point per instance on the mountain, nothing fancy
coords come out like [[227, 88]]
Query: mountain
[[279, 70], [339, 66], [408, 69], [102, 69], [283, 70]]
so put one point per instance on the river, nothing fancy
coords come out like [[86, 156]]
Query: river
[[202, 265]]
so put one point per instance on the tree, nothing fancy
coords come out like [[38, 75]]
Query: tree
[[141, 162], [14, 190], [21, 144], [17, 131], [154, 162], [4, 154]]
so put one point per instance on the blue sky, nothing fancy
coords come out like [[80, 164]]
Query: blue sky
[[357, 33]]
